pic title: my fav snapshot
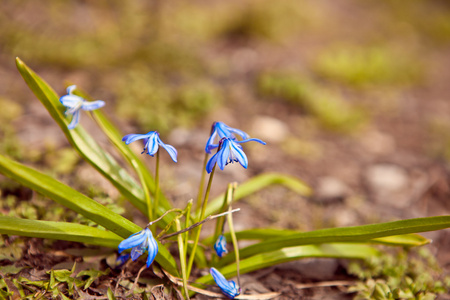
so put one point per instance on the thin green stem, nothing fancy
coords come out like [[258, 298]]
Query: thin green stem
[[235, 244], [202, 184], [220, 223], [156, 196], [186, 224], [202, 215], [182, 250], [146, 190]]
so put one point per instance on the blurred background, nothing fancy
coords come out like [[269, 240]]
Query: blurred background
[[352, 97]]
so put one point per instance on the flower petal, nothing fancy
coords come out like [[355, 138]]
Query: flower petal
[[70, 100], [152, 250], [239, 154], [152, 144], [251, 140], [133, 240], [212, 162], [70, 89], [92, 105], [229, 288], [171, 150], [224, 154], [129, 138], [210, 142], [75, 120]]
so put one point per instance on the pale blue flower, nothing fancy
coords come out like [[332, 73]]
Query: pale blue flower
[[139, 243], [221, 246], [229, 288], [74, 103], [222, 130], [229, 152], [151, 143]]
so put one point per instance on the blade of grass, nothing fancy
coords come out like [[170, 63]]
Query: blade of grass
[[267, 259], [59, 231], [408, 240], [86, 146], [353, 234], [182, 251]]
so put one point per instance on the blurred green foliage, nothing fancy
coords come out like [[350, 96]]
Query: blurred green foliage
[[360, 66]]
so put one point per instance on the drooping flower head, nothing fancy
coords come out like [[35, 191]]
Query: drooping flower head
[[74, 103], [139, 243], [222, 130], [229, 288], [221, 246], [152, 142], [230, 151]]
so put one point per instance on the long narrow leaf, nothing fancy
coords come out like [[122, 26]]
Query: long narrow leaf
[[408, 240], [59, 231], [86, 146], [267, 259], [346, 234], [78, 202], [258, 183]]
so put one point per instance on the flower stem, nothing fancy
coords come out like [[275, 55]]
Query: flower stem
[[156, 196], [235, 244], [202, 184], [146, 190], [202, 215]]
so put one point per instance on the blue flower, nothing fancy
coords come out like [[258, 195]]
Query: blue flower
[[151, 143], [229, 152], [74, 103], [229, 288], [221, 246], [222, 130], [139, 243]]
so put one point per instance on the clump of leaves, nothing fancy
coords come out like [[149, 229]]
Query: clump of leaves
[[364, 66], [411, 274], [326, 106]]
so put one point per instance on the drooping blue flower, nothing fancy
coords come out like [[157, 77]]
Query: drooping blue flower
[[151, 143], [229, 288], [221, 245], [139, 243], [222, 130], [229, 152], [74, 103]]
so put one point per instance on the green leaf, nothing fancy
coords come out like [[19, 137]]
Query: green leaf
[[408, 240], [285, 254], [81, 204], [82, 141], [257, 183], [59, 231], [354, 234]]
